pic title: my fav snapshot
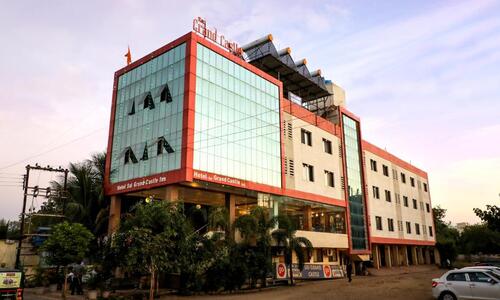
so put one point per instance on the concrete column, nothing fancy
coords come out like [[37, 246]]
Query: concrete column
[[421, 255], [388, 260], [396, 256], [308, 218], [427, 256], [115, 208], [171, 193], [405, 255], [414, 255], [437, 257], [230, 206], [376, 256]]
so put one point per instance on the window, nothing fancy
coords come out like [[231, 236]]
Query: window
[[390, 224], [327, 146], [403, 177], [397, 197], [130, 156], [412, 181], [373, 165], [318, 255], [307, 172], [421, 205], [385, 170], [291, 167], [417, 229], [148, 101], [161, 145], [415, 203], [131, 107], [329, 179], [405, 201], [408, 227], [387, 196], [430, 231], [395, 174], [165, 95], [419, 184], [305, 137], [425, 187], [478, 277], [400, 225], [378, 222], [424, 229], [290, 131], [456, 277], [376, 194], [427, 207], [145, 152]]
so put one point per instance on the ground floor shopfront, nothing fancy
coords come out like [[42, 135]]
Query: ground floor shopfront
[[395, 255], [324, 225]]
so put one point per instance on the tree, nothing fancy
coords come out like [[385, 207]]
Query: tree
[[255, 229], [490, 216], [86, 201], [68, 243], [480, 239], [151, 240], [446, 236], [289, 243]]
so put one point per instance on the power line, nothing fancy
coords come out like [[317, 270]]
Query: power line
[[52, 149]]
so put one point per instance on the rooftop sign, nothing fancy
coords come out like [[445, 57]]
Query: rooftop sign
[[200, 26]]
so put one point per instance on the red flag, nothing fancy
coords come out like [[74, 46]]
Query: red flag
[[128, 56]]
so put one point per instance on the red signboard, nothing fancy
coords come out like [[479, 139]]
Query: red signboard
[[200, 26], [219, 179]]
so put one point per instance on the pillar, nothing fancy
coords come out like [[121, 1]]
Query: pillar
[[230, 206], [437, 257], [115, 208], [414, 255], [427, 256], [406, 262], [388, 259], [376, 256], [171, 193], [396, 255], [308, 218]]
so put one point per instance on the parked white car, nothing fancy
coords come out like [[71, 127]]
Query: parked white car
[[467, 284]]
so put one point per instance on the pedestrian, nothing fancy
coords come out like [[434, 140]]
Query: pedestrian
[[349, 270], [448, 263], [71, 280]]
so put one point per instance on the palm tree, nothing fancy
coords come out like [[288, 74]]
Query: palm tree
[[86, 202], [286, 240], [255, 229]]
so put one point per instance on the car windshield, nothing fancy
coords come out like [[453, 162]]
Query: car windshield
[[491, 273]]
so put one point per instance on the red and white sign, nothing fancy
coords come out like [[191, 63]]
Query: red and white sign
[[281, 271], [200, 26], [219, 179], [327, 271]]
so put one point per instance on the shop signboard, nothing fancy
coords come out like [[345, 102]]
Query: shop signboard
[[310, 271], [10, 280]]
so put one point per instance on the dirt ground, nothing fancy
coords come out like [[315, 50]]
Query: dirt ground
[[405, 283], [402, 283]]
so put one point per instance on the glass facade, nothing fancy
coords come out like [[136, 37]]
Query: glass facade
[[355, 183], [149, 105], [237, 121]]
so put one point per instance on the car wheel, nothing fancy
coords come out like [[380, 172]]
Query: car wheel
[[447, 296]]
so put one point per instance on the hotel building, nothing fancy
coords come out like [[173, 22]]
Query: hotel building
[[196, 123]]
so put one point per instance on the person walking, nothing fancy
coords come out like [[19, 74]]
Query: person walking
[[349, 270]]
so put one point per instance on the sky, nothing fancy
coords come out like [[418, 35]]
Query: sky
[[423, 76]]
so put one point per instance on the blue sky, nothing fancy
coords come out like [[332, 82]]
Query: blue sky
[[423, 76]]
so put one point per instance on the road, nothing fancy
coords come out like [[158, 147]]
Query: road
[[394, 286]]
